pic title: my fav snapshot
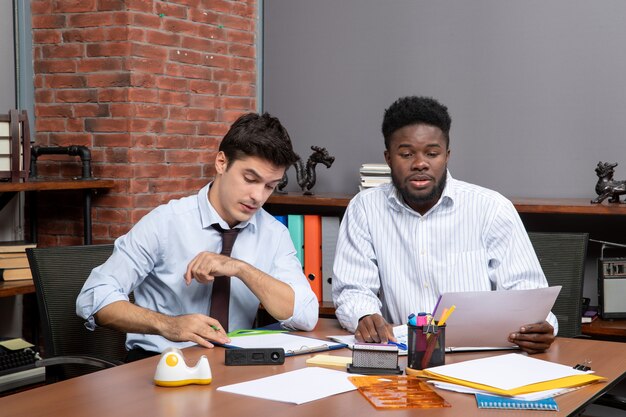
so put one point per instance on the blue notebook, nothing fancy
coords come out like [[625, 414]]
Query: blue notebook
[[506, 403]]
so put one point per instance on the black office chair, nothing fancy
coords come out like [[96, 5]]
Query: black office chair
[[562, 258], [70, 349]]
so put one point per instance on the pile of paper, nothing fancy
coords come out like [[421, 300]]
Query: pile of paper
[[373, 175], [511, 375]]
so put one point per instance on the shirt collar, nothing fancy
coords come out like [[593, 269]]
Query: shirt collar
[[209, 215], [446, 200]]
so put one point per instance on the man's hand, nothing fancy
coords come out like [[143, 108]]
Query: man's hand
[[374, 329], [196, 328], [534, 338], [208, 265]]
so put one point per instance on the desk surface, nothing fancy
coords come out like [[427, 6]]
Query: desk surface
[[11, 288], [128, 390]]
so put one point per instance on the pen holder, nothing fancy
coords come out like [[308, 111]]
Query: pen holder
[[427, 346]]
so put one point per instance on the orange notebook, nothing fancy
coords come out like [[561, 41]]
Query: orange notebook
[[313, 252]]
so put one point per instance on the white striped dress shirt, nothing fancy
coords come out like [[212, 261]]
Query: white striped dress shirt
[[393, 261]]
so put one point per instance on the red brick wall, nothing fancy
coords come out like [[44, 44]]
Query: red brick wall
[[150, 87]]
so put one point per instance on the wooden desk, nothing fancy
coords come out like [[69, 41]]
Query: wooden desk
[[9, 189], [11, 288], [128, 390]]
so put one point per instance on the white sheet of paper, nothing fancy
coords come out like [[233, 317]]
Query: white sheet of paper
[[539, 395], [293, 344], [486, 318], [297, 387], [400, 332], [506, 371]]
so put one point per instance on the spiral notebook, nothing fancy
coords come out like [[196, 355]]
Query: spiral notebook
[[291, 343], [507, 403]]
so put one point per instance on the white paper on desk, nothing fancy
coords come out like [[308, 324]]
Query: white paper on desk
[[539, 395], [400, 332], [486, 318], [297, 387], [506, 372]]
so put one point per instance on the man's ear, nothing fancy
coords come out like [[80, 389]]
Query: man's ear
[[221, 162], [387, 158]]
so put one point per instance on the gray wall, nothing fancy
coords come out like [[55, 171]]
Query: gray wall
[[536, 89], [7, 63]]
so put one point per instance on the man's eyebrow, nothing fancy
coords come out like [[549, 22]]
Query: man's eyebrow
[[251, 171], [430, 145]]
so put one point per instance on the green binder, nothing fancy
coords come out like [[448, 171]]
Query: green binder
[[295, 224]]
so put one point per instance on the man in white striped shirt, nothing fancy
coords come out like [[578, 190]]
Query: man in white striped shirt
[[402, 245]]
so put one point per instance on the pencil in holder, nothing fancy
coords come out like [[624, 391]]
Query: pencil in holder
[[427, 346]]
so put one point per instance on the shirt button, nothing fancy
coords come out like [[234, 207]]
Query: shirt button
[[426, 286]]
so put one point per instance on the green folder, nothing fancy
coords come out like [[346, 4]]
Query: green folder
[[295, 224]]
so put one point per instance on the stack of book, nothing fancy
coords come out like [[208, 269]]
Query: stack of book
[[13, 261], [373, 175]]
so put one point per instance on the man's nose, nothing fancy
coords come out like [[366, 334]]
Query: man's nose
[[419, 163], [256, 194]]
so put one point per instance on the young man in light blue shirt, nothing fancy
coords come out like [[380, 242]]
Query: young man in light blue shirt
[[170, 258]]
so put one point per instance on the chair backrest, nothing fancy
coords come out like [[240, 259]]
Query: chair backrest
[[562, 258], [59, 274]]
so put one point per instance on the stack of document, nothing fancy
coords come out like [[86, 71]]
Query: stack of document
[[373, 175], [511, 375]]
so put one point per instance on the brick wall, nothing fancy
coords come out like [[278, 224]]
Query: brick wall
[[150, 87]]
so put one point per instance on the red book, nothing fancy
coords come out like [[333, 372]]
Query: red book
[[313, 252]]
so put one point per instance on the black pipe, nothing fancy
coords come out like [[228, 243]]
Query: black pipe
[[73, 150]]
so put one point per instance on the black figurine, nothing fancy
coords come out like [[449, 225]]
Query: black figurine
[[306, 175], [606, 185]]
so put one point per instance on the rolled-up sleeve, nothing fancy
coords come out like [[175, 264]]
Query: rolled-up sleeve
[[287, 268], [128, 265], [513, 263], [356, 281]]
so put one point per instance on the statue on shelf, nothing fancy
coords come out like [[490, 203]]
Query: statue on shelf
[[306, 174], [606, 185]]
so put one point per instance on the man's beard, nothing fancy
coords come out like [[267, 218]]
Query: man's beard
[[418, 200]]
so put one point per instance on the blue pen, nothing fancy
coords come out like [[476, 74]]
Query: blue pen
[[400, 345]]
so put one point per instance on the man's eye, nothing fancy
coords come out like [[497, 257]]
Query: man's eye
[[406, 155], [433, 154], [250, 180]]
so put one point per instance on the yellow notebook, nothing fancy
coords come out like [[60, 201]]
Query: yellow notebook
[[330, 361]]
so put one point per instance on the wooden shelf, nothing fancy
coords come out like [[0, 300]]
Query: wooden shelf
[[9, 189], [11, 288], [606, 329], [576, 206], [567, 206], [44, 185]]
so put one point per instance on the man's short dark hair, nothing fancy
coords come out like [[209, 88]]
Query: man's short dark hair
[[414, 110], [260, 135]]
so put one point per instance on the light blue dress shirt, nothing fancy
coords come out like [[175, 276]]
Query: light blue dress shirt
[[151, 260], [393, 261]]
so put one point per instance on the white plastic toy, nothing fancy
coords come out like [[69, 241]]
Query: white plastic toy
[[172, 371]]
